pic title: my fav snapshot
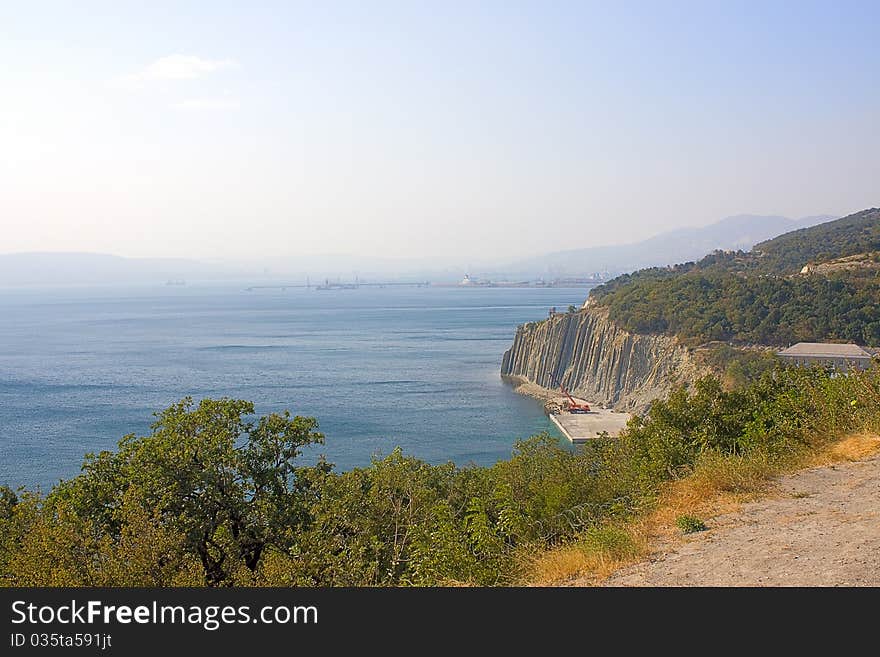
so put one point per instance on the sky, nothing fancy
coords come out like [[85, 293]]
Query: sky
[[229, 130]]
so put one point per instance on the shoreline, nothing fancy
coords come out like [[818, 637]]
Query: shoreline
[[577, 428], [522, 386]]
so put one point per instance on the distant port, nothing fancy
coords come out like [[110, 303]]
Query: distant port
[[472, 281], [338, 286]]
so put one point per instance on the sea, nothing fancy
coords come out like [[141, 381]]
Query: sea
[[379, 367]]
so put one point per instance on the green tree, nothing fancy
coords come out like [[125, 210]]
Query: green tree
[[8, 500], [226, 484], [367, 520]]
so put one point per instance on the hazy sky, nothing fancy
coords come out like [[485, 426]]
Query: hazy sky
[[215, 129]]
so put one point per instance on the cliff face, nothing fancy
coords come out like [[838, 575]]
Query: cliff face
[[597, 360]]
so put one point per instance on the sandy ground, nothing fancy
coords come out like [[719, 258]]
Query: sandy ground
[[821, 529]]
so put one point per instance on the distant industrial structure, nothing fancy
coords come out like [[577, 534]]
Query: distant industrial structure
[[841, 357], [473, 281]]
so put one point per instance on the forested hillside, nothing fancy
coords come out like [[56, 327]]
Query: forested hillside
[[760, 296], [857, 233]]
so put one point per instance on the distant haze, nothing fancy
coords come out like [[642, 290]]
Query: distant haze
[[681, 245], [446, 135], [741, 232]]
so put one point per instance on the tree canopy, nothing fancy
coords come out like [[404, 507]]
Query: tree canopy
[[755, 297], [227, 486], [214, 497]]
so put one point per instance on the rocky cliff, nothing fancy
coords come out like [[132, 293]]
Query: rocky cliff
[[597, 360]]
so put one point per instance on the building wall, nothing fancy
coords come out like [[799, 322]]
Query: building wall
[[842, 364]]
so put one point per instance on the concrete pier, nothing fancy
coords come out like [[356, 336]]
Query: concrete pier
[[580, 428]]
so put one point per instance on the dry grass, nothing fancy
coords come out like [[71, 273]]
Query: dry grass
[[599, 552], [718, 485], [722, 484], [566, 563], [851, 448]]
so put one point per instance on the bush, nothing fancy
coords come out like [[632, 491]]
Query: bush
[[610, 541], [211, 497], [690, 524]]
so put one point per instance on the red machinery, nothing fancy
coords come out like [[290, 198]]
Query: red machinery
[[573, 406]]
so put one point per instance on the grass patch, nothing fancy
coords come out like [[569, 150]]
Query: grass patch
[[597, 553], [615, 542], [690, 524], [851, 448], [739, 474]]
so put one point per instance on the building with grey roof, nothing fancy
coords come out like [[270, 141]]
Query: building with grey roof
[[837, 356]]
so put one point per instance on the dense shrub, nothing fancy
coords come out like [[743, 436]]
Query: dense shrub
[[213, 498], [758, 297], [703, 305]]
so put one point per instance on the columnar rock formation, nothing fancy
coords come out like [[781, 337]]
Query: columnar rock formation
[[597, 360]]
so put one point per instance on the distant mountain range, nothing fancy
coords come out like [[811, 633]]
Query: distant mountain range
[[101, 269], [65, 269], [682, 245]]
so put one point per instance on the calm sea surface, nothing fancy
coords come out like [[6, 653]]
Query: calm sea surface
[[378, 367]]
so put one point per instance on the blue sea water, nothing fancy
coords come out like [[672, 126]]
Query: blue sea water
[[379, 367]]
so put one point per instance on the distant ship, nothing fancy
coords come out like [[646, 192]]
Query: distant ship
[[175, 282]]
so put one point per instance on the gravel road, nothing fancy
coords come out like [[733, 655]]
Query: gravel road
[[821, 529]]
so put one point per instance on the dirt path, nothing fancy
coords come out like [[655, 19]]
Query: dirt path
[[821, 529]]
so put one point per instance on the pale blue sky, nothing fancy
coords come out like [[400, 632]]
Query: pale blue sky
[[452, 129]]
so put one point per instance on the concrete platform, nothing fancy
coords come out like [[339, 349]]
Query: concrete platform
[[579, 428]]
